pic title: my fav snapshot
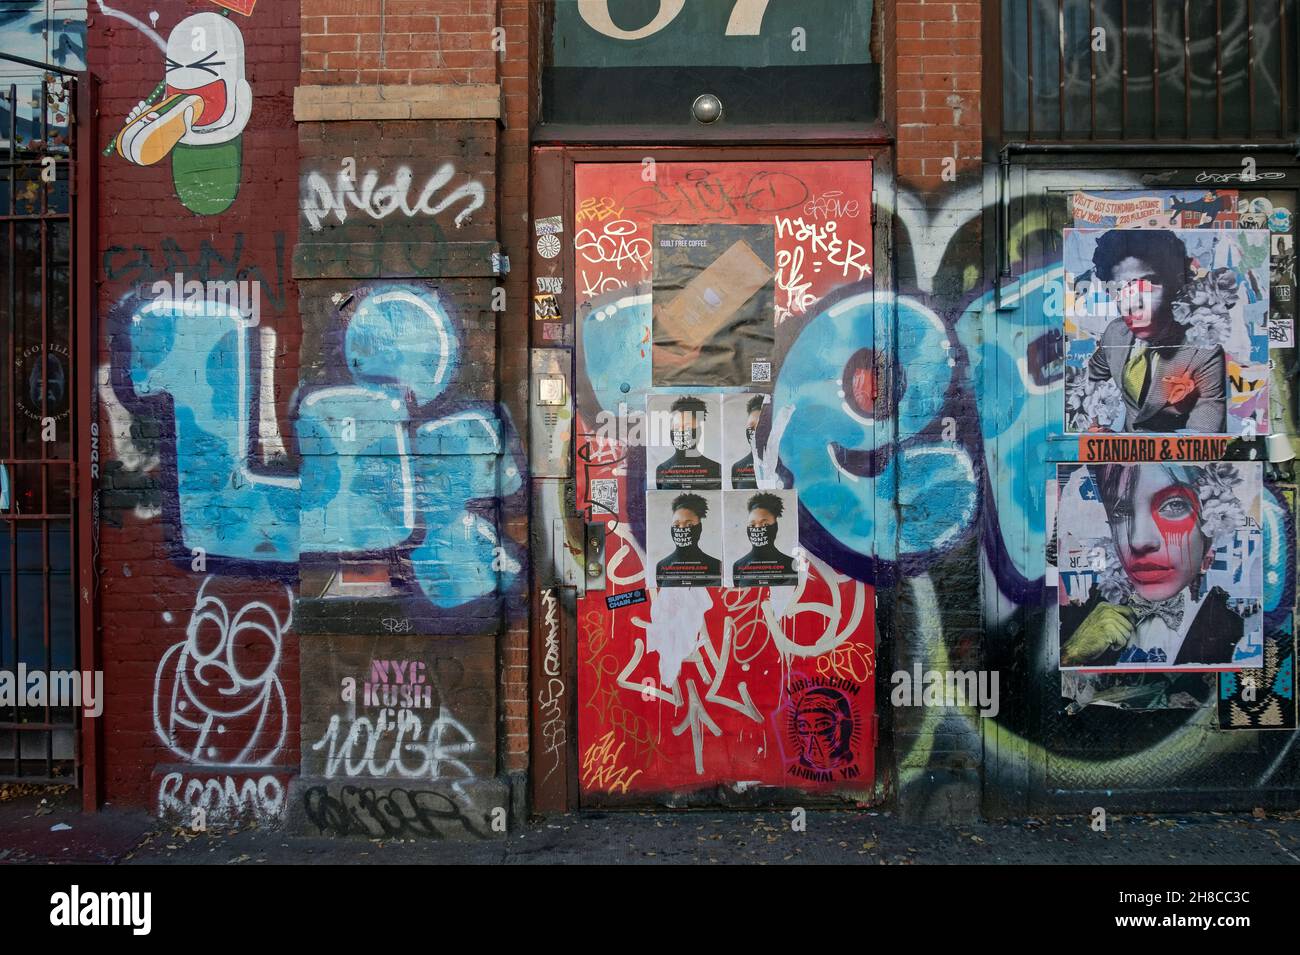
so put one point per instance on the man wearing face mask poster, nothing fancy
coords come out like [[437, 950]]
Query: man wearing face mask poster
[[1151, 605], [742, 472], [688, 565], [688, 468], [764, 565]]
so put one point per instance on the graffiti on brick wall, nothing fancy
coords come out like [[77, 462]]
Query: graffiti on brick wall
[[408, 738], [399, 736], [222, 258], [217, 697], [323, 200], [390, 813], [220, 707], [389, 465], [197, 113], [395, 708], [222, 799]]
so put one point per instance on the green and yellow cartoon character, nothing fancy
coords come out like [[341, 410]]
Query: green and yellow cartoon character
[[198, 115]]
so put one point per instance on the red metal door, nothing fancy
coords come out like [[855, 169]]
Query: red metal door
[[707, 676]]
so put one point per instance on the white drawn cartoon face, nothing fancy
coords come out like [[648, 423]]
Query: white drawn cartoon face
[[205, 57]]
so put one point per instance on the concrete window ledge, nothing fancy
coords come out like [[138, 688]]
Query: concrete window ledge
[[313, 104]]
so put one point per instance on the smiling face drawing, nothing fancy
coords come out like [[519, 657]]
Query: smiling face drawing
[[1155, 522], [205, 58]]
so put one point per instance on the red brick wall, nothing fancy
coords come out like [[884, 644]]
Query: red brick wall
[[935, 93], [513, 186], [149, 587], [398, 41]]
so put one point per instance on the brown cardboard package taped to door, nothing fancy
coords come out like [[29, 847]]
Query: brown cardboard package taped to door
[[709, 300]]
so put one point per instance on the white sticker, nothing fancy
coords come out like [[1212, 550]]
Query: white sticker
[[551, 225], [548, 246]]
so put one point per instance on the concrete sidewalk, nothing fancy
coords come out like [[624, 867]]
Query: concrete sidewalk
[[748, 837]]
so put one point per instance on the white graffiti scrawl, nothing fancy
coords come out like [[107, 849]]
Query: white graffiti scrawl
[[398, 744], [217, 697], [320, 201]]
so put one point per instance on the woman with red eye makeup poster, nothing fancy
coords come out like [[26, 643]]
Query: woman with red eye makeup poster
[[1160, 566]]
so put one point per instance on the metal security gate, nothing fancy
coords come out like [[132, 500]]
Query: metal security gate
[[43, 348]]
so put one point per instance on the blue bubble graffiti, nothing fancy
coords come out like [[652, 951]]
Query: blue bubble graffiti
[[390, 461]]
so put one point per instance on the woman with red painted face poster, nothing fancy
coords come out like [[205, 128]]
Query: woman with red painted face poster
[[1170, 586]]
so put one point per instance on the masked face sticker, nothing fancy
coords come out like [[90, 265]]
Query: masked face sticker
[[205, 58], [686, 536], [823, 728], [686, 529], [684, 431], [685, 440], [761, 527]]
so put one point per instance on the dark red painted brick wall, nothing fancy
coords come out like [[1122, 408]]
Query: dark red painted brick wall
[[149, 590]]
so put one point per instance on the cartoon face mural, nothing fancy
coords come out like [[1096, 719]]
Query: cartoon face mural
[[197, 115], [205, 58]]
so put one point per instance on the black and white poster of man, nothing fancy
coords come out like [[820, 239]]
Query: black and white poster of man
[[1160, 566], [741, 415], [684, 538], [684, 442], [762, 532], [1166, 331]]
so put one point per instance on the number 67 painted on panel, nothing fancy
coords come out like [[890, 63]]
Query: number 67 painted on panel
[[746, 18]]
